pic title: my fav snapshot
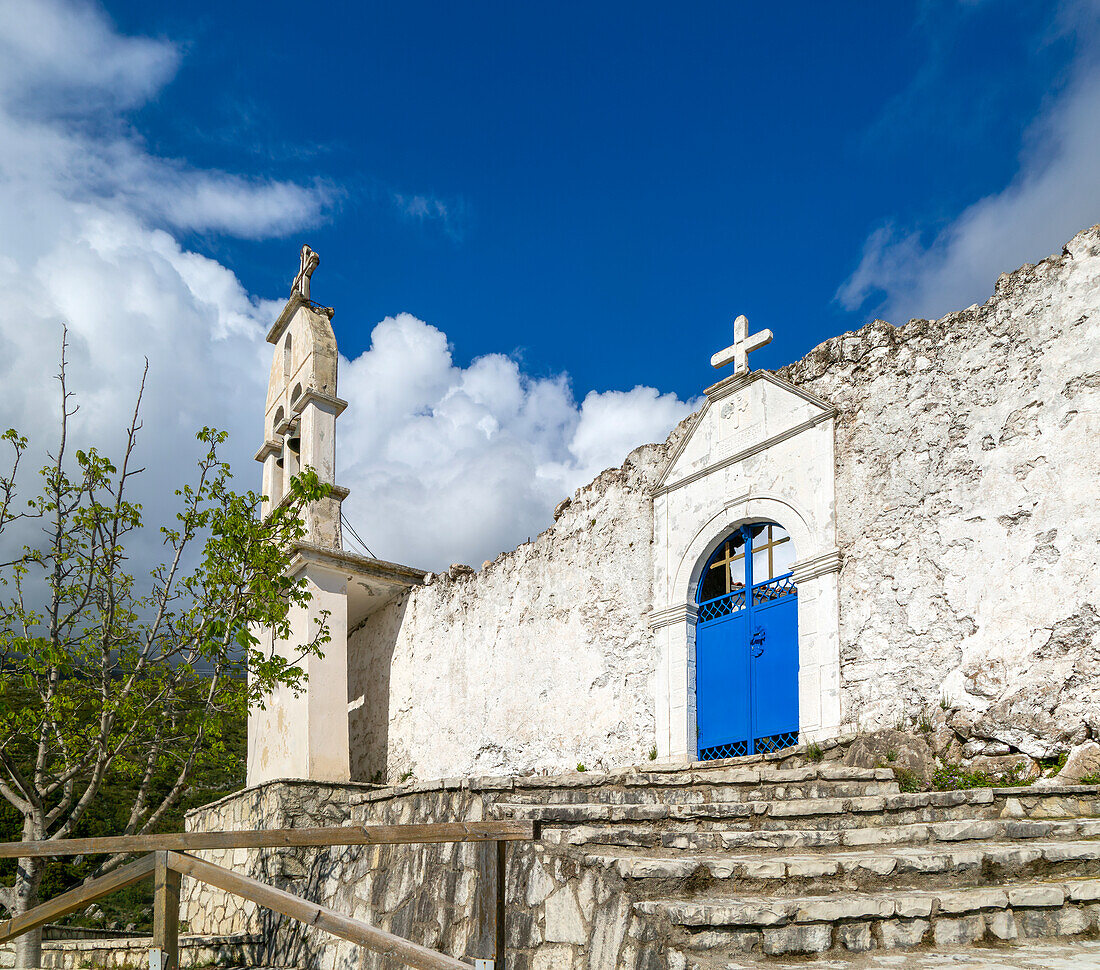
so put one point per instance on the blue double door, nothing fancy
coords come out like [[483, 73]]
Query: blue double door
[[746, 647]]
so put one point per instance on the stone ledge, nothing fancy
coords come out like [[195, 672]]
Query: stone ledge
[[779, 911]]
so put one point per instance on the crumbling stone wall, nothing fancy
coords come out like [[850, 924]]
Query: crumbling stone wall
[[967, 471], [541, 659], [968, 479]]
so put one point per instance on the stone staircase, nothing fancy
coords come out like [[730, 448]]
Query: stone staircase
[[734, 864]]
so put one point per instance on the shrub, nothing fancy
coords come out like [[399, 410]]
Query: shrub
[[953, 776], [908, 780], [1051, 766]]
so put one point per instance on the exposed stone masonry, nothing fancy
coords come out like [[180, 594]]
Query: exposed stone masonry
[[690, 867], [966, 507]]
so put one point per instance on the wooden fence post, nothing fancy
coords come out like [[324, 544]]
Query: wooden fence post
[[500, 923], [166, 911]]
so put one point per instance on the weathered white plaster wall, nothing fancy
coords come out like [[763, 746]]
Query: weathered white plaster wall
[[543, 659], [306, 736], [967, 518], [968, 506]]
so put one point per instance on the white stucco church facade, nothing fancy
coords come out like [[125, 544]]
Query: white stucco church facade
[[824, 548]]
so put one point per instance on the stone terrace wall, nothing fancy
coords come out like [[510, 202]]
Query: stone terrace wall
[[560, 912], [542, 659], [200, 952], [968, 507], [438, 895]]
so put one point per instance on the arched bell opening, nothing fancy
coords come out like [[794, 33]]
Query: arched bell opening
[[291, 460], [746, 644]]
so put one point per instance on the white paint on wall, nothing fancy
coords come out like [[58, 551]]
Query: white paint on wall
[[542, 660]]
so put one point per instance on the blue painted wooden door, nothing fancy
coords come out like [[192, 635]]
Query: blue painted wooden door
[[746, 652]]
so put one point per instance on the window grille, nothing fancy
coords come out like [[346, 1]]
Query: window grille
[[737, 749]]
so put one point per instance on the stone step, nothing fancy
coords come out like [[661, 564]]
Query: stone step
[[688, 837], [723, 784], [900, 867], [890, 919], [1077, 801], [830, 813], [705, 793], [1019, 954]]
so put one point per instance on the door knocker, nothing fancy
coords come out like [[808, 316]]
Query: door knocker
[[756, 641]]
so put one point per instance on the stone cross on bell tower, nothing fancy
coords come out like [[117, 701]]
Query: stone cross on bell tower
[[738, 352]]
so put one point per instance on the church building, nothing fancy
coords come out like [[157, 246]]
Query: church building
[[906, 517]]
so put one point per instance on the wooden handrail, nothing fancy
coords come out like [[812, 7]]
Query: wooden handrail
[[167, 865], [409, 953], [76, 898], [506, 831]]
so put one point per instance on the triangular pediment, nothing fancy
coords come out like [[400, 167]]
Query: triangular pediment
[[743, 415]]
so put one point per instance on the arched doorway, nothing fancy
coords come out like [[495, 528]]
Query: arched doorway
[[746, 645]]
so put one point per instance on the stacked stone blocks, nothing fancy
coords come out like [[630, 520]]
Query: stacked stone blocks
[[682, 867]]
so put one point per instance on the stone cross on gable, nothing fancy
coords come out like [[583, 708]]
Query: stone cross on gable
[[743, 344]]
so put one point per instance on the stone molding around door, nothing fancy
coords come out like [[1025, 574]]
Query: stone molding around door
[[786, 476]]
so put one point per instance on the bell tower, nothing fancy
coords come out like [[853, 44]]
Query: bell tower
[[307, 736], [302, 407]]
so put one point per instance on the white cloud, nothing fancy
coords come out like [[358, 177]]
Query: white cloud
[[66, 77], [69, 57], [1055, 193], [449, 464], [445, 463]]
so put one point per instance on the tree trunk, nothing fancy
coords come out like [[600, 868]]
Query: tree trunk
[[28, 877]]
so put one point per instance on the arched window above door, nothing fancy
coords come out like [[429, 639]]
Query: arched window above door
[[771, 555]]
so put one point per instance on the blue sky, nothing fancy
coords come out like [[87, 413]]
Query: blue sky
[[536, 223], [600, 188]]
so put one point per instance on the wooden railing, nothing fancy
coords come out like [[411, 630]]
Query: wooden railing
[[167, 860]]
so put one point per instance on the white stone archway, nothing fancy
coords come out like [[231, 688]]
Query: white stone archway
[[759, 451]]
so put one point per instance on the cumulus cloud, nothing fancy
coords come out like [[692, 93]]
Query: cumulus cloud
[[445, 462], [449, 464], [1056, 192], [66, 79]]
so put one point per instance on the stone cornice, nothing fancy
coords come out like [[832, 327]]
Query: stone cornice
[[680, 613], [270, 447], [296, 300], [350, 563], [339, 492], [733, 384], [326, 402], [822, 565]]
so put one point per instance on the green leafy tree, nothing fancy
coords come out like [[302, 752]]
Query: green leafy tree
[[114, 682]]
